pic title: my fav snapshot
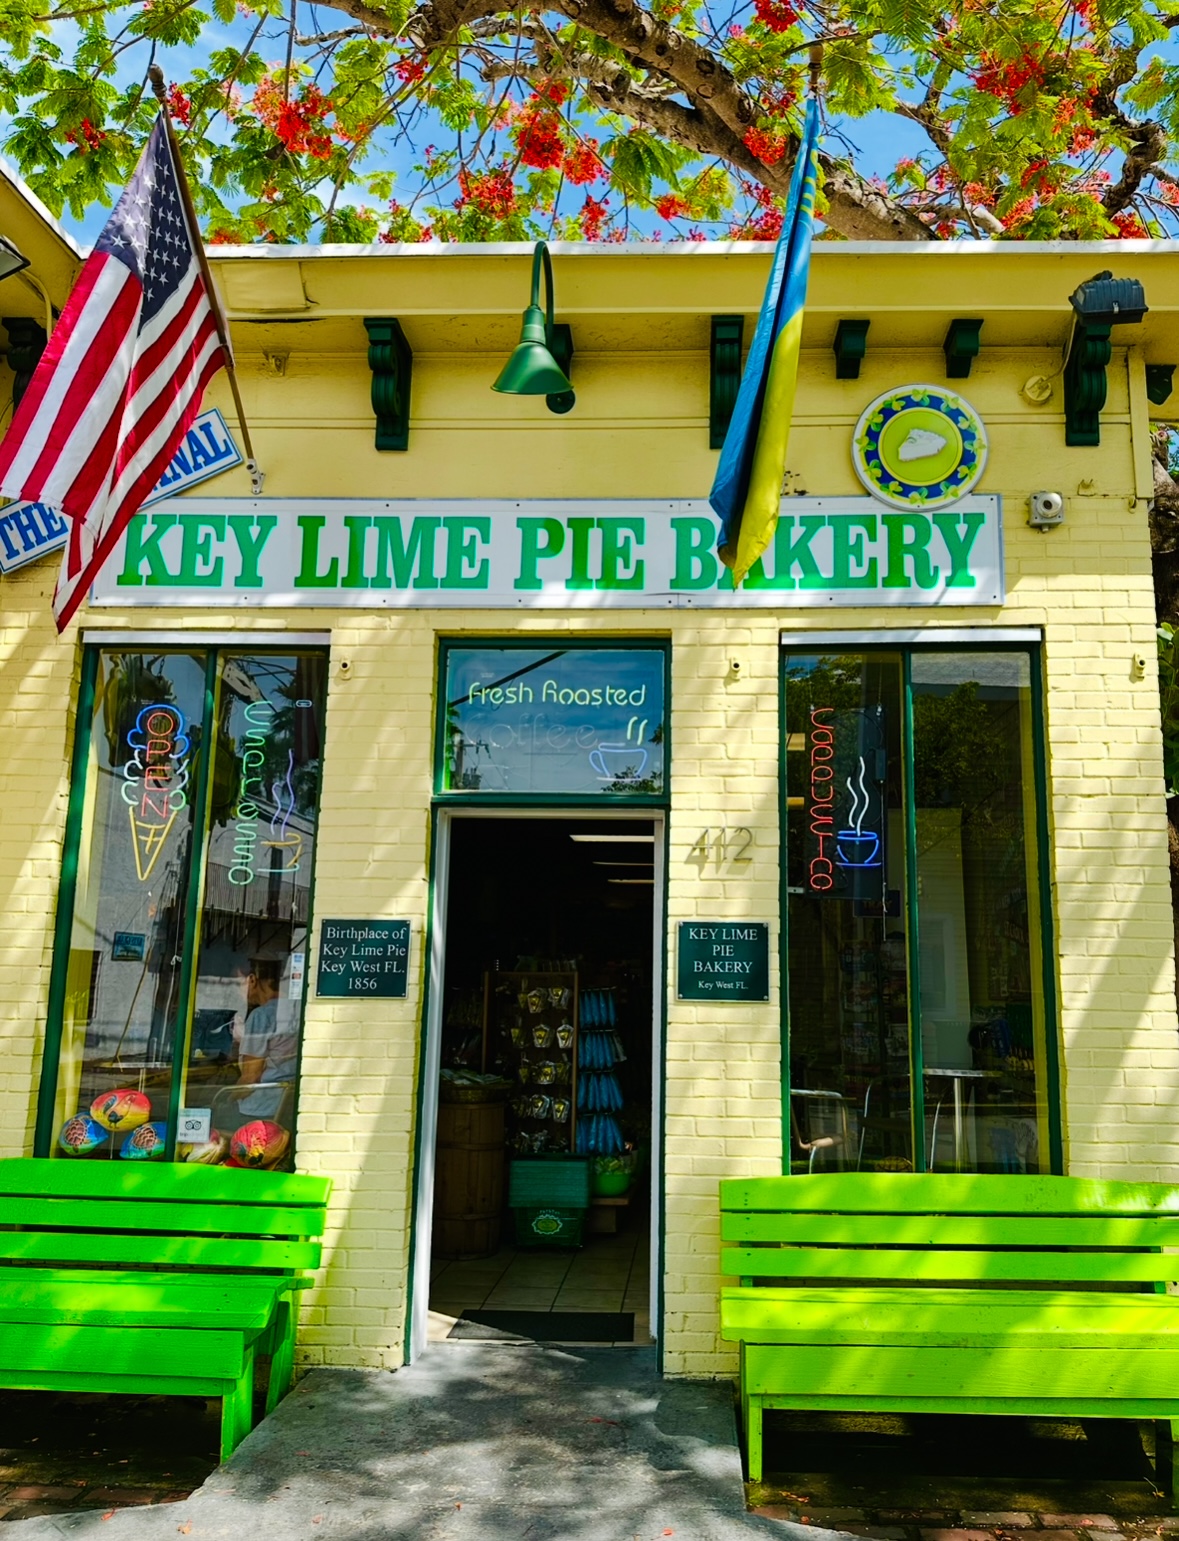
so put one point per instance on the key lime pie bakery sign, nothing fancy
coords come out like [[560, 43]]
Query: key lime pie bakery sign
[[923, 537]]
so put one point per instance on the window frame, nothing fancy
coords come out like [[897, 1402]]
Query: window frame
[[215, 646], [1030, 643]]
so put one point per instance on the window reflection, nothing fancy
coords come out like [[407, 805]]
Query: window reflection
[[977, 950], [126, 998]]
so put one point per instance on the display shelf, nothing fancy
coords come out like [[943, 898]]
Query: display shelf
[[531, 1036]]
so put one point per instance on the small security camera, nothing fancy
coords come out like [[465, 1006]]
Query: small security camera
[[345, 666], [735, 665], [1045, 510]]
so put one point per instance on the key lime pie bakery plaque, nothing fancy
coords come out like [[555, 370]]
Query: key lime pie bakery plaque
[[919, 446]]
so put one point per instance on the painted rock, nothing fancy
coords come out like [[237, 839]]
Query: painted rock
[[259, 1144], [123, 1109], [80, 1135], [147, 1143]]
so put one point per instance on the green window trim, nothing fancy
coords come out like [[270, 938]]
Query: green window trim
[[1041, 831], [221, 778]]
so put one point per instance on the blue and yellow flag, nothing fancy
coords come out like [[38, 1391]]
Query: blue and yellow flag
[[748, 487]]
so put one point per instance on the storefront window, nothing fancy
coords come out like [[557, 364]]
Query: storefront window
[[179, 1019], [916, 1002], [569, 722]]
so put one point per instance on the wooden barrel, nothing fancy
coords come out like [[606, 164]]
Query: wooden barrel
[[468, 1179]]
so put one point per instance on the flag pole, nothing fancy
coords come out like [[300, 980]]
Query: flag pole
[[156, 76]]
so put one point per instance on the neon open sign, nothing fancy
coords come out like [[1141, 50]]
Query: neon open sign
[[846, 811], [155, 780]]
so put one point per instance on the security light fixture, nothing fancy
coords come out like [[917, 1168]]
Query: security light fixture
[[1104, 300], [11, 260], [533, 369]]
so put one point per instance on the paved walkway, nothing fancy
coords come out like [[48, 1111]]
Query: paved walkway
[[476, 1442]]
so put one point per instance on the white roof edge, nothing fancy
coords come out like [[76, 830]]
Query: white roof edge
[[24, 191], [686, 249]]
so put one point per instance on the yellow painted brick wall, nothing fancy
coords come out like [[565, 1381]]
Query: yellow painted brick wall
[[1088, 585]]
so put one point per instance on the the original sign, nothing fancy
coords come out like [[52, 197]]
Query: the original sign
[[723, 960], [32, 530], [363, 957], [827, 552]]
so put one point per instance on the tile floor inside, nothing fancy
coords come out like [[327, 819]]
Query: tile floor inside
[[609, 1273]]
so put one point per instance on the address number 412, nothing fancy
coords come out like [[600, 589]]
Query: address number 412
[[727, 842]]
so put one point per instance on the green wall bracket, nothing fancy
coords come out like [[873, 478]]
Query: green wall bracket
[[1084, 384], [391, 361], [850, 347], [961, 347], [724, 375], [26, 343], [1159, 382]]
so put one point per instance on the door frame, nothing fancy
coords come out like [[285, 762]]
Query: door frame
[[422, 1222]]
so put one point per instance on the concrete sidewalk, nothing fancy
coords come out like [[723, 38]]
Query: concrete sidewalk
[[476, 1442]]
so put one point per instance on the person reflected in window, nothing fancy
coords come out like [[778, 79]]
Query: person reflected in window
[[269, 1051]]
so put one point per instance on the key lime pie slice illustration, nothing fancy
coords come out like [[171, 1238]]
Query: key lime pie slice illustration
[[919, 447]]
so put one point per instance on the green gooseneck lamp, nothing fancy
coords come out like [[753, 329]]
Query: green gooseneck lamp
[[541, 358]]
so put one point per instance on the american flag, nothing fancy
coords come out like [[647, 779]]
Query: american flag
[[122, 376]]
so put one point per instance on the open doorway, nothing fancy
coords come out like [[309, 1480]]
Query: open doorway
[[539, 1112]]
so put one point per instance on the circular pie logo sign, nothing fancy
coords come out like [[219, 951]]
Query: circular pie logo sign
[[919, 447]]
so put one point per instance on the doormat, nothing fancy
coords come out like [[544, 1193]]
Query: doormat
[[545, 1326]]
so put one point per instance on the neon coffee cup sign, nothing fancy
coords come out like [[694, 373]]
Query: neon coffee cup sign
[[846, 812]]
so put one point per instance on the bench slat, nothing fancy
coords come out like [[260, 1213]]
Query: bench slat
[[885, 1371], [236, 1303], [791, 1316], [1039, 1231], [946, 1193], [903, 1264], [177, 1182], [165, 1251], [115, 1350], [106, 1214]]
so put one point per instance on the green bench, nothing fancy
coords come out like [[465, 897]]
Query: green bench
[[930, 1293], [165, 1279]]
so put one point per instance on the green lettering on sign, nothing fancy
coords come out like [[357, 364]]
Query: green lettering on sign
[[621, 569], [958, 545], [848, 532], [251, 531], [532, 551], [143, 545], [695, 563], [908, 545], [198, 566], [464, 569], [309, 575], [402, 563]]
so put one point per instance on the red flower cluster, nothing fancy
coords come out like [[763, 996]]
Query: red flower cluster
[[1129, 226], [592, 218], [297, 123], [975, 194], [766, 225], [537, 129], [1035, 175], [1018, 213], [1006, 79], [583, 164], [85, 136], [180, 106], [490, 192], [671, 206], [777, 15], [768, 147], [410, 70]]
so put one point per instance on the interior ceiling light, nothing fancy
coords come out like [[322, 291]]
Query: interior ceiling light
[[615, 839], [631, 880], [645, 864]]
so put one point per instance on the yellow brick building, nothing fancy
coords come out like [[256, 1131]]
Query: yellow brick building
[[975, 971]]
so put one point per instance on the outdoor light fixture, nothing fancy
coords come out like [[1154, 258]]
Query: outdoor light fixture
[[541, 358], [1104, 300], [11, 260]]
